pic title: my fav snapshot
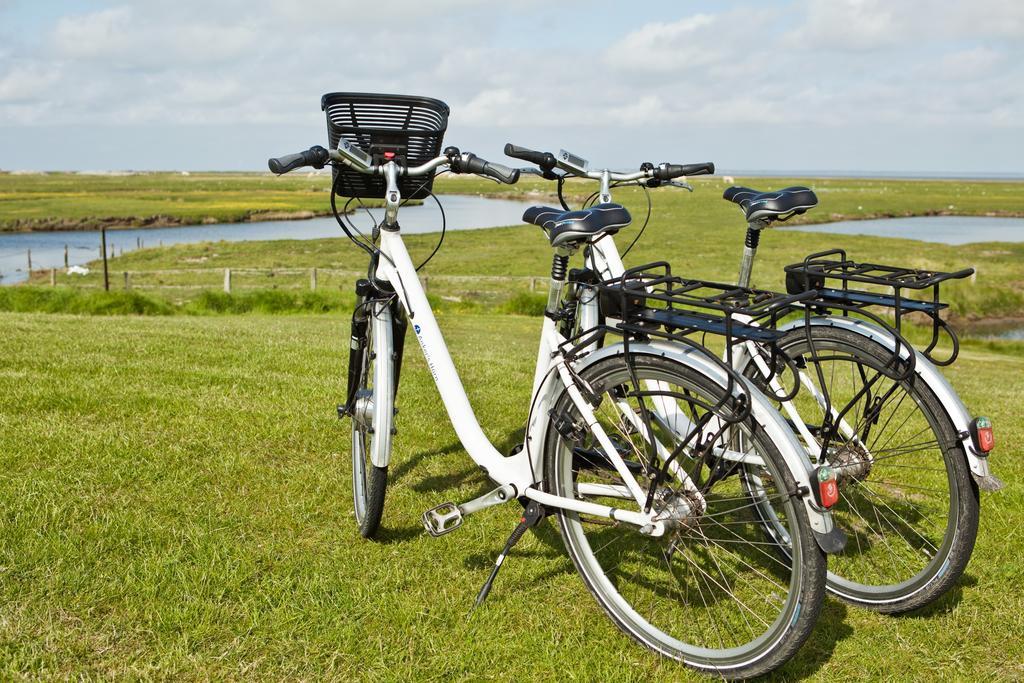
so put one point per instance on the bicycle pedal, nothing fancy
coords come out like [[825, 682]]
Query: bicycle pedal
[[442, 519]]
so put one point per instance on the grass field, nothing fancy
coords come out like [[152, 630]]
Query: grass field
[[175, 503], [174, 491], [699, 233], [68, 200]]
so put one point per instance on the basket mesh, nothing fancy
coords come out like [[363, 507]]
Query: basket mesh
[[410, 127]]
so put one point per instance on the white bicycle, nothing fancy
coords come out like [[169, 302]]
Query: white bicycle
[[909, 456], [662, 534]]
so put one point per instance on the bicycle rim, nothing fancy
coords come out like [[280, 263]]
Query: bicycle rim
[[907, 504], [712, 592]]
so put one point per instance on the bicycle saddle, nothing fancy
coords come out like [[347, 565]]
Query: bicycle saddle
[[564, 227], [771, 205]]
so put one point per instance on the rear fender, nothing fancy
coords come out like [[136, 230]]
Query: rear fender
[[926, 372]]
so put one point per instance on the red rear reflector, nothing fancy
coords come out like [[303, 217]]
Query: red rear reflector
[[981, 434], [389, 155], [828, 489]]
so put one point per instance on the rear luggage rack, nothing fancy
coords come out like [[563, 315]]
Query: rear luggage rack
[[814, 272], [649, 297], [649, 302]]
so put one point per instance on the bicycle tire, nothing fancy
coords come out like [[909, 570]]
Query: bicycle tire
[[860, 574], [369, 482], [801, 595]]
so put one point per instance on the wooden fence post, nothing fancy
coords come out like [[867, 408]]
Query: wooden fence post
[[53, 277], [227, 280], [127, 280], [103, 252], [425, 281], [65, 257], [312, 279], [29, 261]]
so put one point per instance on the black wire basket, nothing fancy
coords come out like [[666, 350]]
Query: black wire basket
[[410, 128]]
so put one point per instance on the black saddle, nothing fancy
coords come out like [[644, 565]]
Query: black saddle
[[564, 227], [772, 205]]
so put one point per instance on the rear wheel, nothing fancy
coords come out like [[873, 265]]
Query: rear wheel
[[372, 420], [711, 592], [908, 504]]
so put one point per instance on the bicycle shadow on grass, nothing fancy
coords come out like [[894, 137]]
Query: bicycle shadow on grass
[[450, 481], [398, 472]]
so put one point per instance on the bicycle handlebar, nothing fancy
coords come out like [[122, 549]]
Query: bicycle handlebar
[[316, 156], [471, 163], [466, 162], [670, 171], [547, 161]]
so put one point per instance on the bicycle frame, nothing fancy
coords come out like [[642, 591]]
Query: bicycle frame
[[519, 474], [608, 264], [517, 471]]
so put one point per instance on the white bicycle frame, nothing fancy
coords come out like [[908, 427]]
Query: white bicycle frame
[[518, 474], [608, 263]]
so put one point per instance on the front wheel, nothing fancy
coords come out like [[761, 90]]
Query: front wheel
[[372, 411], [711, 592]]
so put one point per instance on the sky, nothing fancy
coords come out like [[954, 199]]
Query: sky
[[888, 86]]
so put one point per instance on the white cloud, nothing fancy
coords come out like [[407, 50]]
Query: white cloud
[[861, 25], [492, 107], [849, 25], [646, 110], [103, 33], [28, 83], [131, 39], [815, 64], [667, 46], [973, 63]]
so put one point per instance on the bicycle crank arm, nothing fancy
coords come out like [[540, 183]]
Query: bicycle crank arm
[[447, 517]]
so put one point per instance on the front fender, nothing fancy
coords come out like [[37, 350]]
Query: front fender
[[829, 537]]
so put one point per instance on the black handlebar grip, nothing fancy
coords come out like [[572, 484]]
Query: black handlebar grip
[[546, 160], [670, 171], [315, 156], [509, 176], [474, 164]]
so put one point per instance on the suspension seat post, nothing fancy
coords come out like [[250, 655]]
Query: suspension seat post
[[749, 251], [559, 268]]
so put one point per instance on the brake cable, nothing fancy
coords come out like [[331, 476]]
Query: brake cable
[[643, 227]]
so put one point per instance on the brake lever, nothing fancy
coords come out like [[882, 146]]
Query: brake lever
[[685, 186]]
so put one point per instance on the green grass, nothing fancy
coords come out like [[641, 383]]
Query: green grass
[[72, 201], [174, 497], [174, 493], [31, 299], [699, 233]]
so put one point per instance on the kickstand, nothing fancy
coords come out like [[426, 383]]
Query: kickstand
[[534, 513]]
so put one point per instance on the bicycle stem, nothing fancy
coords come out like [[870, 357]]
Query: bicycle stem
[[392, 197]]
